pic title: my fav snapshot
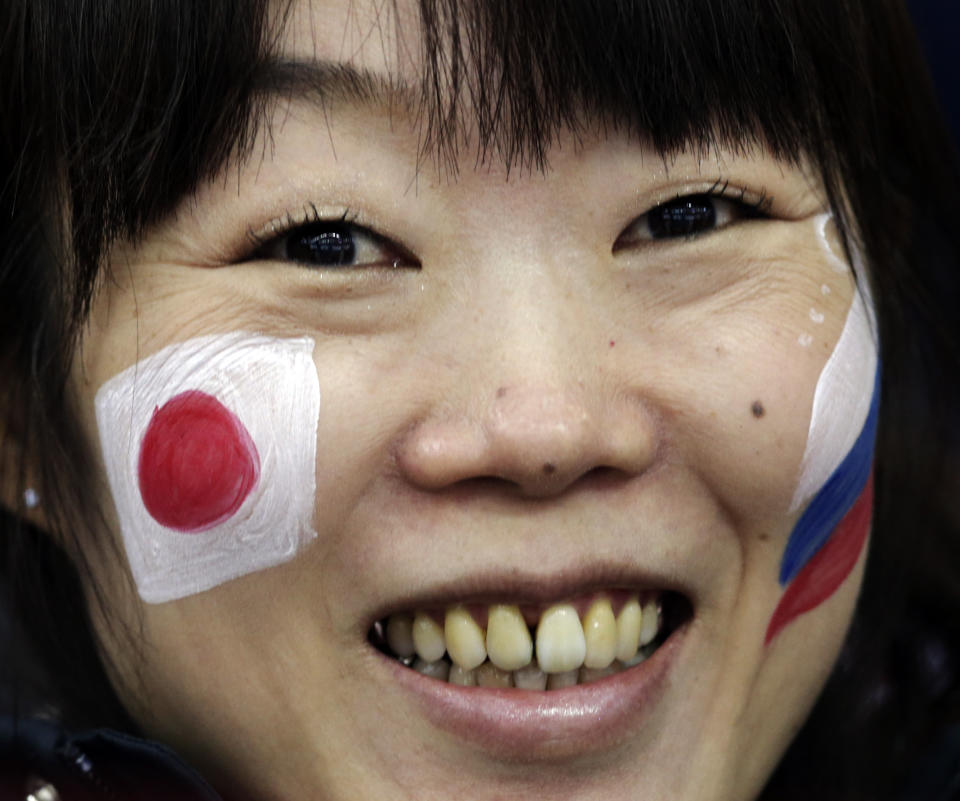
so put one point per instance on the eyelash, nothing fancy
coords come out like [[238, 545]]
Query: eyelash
[[720, 190], [330, 238], [757, 208], [281, 226], [338, 236]]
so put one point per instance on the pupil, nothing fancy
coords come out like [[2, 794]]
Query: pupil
[[682, 217], [323, 244]]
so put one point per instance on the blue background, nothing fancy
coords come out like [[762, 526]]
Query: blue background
[[938, 25]]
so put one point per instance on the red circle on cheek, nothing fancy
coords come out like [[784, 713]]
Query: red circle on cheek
[[197, 463]]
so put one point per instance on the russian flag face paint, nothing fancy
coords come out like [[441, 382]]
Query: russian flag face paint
[[210, 451], [835, 488]]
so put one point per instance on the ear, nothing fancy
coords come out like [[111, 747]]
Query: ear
[[20, 492]]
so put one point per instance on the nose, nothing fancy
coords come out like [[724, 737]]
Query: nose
[[540, 438], [526, 391]]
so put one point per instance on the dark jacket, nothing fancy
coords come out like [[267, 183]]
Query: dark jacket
[[105, 765], [98, 765]]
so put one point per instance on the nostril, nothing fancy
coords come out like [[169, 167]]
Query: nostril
[[548, 483], [603, 475], [499, 485]]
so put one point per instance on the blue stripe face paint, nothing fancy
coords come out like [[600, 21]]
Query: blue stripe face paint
[[837, 496]]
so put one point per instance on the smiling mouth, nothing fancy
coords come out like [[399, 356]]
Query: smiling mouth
[[533, 647]]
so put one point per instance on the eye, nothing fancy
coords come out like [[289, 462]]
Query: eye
[[335, 244], [686, 216]]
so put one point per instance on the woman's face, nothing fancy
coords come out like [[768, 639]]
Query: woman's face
[[525, 389]]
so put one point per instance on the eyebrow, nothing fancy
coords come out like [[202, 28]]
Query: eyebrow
[[326, 83]]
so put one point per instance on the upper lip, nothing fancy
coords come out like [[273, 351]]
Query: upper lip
[[527, 587]]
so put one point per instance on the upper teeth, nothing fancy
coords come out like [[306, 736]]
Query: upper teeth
[[561, 646], [564, 644], [465, 640], [509, 643]]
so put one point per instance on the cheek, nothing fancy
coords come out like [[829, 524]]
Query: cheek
[[835, 486], [210, 452]]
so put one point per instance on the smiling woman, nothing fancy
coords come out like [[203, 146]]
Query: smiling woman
[[478, 399]]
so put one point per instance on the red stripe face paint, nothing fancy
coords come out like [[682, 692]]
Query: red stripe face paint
[[210, 449], [823, 575]]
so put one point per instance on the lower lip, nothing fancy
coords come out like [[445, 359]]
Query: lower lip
[[525, 724]]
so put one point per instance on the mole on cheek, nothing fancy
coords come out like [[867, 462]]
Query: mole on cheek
[[757, 409]]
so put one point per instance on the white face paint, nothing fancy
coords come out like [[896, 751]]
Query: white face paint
[[210, 451], [844, 390]]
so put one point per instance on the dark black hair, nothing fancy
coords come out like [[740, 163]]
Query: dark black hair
[[112, 112]]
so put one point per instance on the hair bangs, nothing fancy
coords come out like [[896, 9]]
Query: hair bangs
[[736, 73]]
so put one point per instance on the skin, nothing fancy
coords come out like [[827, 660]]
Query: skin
[[522, 340]]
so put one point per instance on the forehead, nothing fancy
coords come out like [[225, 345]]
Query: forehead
[[378, 37], [374, 55]]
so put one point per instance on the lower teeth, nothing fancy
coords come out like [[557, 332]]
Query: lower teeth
[[527, 678]]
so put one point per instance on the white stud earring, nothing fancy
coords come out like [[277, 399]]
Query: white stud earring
[[31, 498], [42, 791]]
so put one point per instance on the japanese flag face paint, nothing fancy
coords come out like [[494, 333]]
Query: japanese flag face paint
[[835, 488], [210, 451]]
